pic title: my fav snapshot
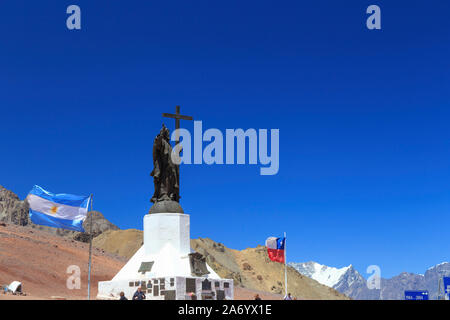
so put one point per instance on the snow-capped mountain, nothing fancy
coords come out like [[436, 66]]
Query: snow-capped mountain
[[328, 276], [350, 282]]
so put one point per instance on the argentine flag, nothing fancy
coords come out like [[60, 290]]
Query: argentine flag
[[57, 210]]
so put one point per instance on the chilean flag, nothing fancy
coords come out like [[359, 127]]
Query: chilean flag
[[275, 248]]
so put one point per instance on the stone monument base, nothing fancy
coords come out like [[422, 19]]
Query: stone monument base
[[165, 268], [169, 288]]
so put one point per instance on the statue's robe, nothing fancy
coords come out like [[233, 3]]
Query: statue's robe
[[165, 172]]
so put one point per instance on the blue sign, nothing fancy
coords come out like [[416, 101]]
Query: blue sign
[[416, 295], [447, 285]]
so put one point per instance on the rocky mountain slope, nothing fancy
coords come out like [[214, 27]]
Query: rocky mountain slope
[[124, 243], [12, 209], [394, 288], [250, 268], [352, 283]]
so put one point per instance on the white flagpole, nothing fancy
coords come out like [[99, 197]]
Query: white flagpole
[[285, 266], [90, 251]]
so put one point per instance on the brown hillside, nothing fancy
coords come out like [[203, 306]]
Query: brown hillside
[[124, 243], [40, 259], [250, 268]]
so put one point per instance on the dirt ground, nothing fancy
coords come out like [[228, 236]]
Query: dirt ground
[[40, 261]]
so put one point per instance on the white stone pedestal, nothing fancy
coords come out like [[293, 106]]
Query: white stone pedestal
[[166, 247], [167, 229]]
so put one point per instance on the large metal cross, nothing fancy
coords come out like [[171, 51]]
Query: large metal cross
[[177, 116]]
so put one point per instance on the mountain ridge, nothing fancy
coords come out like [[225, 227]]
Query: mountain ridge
[[354, 285]]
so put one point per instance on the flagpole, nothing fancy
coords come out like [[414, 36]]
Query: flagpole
[[90, 250], [285, 266]]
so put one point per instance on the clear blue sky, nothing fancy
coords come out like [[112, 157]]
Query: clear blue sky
[[363, 116]]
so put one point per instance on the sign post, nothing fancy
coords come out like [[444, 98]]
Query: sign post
[[416, 295], [447, 287]]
